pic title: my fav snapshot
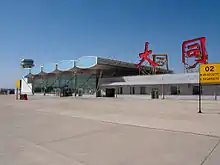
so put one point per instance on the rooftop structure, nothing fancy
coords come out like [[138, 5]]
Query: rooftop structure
[[93, 64]]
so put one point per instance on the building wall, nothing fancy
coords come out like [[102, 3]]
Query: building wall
[[184, 89], [26, 88], [211, 92], [182, 78], [184, 83]]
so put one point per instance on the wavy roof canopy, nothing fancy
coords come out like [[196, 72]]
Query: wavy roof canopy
[[85, 62]]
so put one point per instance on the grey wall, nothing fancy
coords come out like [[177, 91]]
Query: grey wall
[[184, 81], [152, 79], [185, 89]]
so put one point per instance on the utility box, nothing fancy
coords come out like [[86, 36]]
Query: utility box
[[80, 92], [154, 94]]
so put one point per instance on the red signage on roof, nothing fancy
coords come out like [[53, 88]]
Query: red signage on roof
[[194, 49], [145, 57]]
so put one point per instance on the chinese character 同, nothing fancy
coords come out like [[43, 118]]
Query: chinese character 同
[[194, 48]]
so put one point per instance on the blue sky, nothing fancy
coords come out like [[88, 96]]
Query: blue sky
[[53, 30]]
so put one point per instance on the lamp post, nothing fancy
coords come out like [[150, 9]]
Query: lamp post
[[75, 77], [162, 86]]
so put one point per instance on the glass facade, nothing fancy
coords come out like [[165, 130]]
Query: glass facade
[[53, 83]]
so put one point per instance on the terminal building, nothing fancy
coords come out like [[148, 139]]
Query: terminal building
[[102, 77]]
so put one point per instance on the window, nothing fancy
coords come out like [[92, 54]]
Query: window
[[196, 90], [142, 90], [132, 90], [175, 90], [120, 90], [29, 80]]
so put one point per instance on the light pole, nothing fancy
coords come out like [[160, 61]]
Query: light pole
[[75, 78], [162, 86]]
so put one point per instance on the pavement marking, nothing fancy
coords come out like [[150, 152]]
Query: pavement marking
[[132, 125], [77, 136], [210, 153], [56, 153]]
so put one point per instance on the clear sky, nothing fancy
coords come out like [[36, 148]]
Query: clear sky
[[53, 30]]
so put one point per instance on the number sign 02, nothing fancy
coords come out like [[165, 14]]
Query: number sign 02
[[209, 73]]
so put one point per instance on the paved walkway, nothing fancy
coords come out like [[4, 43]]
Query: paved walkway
[[73, 131]]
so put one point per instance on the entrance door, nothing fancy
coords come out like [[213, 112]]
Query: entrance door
[[110, 92]]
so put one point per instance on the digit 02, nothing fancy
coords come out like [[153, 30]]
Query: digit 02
[[209, 68]]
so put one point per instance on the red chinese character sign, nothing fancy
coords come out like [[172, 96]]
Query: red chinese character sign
[[145, 57], [162, 61], [193, 54]]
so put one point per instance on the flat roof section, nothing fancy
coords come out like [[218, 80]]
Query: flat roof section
[[183, 78]]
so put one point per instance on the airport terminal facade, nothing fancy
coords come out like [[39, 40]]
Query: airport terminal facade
[[91, 75]]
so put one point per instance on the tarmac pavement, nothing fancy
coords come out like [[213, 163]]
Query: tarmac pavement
[[105, 131]]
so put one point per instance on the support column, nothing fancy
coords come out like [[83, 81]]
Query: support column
[[75, 84], [33, 85], [98, 91], [97, 86], [216, 92]]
